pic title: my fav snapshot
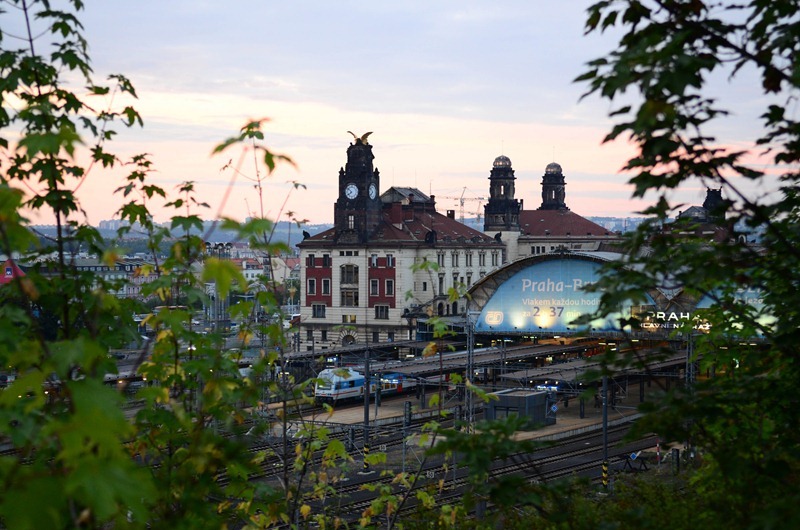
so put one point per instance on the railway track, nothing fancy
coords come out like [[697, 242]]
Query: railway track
[[383, 439], [578, 456]]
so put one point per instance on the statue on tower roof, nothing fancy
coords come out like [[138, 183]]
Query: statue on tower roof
[[362, 139]]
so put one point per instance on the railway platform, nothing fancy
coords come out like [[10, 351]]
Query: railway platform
[[568, 415]]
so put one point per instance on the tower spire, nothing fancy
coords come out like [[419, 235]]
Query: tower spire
[[501, 213], [553, 188]]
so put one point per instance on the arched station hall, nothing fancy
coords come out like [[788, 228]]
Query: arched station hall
[[536, 300], [539, 295]]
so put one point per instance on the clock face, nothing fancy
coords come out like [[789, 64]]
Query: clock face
[[351, 191], [373, 191]]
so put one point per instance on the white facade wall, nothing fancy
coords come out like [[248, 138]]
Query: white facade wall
[[414, 290]]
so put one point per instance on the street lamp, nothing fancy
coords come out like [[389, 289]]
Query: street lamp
[[219, 307], [292, 291]]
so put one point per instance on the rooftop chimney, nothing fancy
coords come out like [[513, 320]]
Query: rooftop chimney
[[396, 214]]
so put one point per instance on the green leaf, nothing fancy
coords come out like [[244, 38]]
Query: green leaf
[[335, 450], [35, 503], [224, 272], [98, 422], [107, 486]]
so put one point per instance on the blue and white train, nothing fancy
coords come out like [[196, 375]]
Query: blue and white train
[[341, 384]]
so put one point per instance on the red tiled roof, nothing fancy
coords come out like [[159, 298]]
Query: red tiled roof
[[557, 223], [417, 222], [417, 227]]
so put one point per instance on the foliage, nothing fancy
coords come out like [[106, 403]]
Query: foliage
[[661, 77], [187, 457], [57, 323], [479, 449], [74, 458], [638, 501]]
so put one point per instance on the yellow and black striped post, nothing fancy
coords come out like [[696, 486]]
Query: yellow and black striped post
[[366, 464], [605, 474]]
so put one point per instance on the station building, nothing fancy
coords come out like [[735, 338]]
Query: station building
[[369, 279], [390, 259]]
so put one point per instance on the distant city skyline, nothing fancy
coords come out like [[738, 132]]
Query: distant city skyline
[[445, 87], [290, 232]]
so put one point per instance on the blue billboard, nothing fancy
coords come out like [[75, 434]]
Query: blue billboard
[[545, 297], [750, 296]]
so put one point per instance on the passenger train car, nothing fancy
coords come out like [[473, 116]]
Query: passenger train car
[[341, 384]]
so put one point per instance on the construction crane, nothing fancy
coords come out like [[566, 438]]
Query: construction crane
[[461, 200]]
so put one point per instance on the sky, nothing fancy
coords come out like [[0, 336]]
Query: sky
[[444, 86]]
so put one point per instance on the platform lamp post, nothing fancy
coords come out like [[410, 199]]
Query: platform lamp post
[[503, 361], [605, 431], [468, 396], [219, 304], [367, 380], [255, 288], [691, 377], [294, 295], [296, 335], [480, 509]]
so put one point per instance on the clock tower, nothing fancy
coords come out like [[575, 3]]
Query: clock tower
[[357, 212]]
